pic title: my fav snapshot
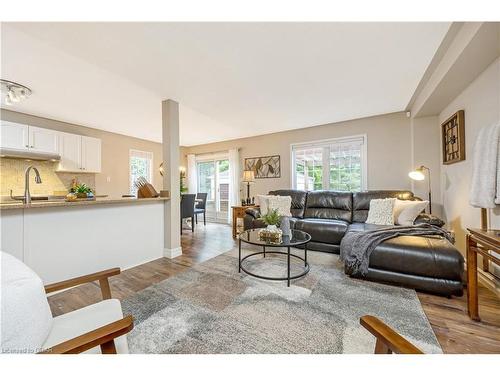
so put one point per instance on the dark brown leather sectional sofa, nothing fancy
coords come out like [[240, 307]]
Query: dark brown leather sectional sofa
[[430, 264]]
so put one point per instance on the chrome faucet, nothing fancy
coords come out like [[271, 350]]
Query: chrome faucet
[[38, 180]]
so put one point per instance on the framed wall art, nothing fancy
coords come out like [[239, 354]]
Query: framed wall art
[[264, 166], [453, 138]]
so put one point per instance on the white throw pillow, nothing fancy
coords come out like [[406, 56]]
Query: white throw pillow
[[381, 211], [26, 319], [405, 212], [280, 203], [263, 202], [275, 202]]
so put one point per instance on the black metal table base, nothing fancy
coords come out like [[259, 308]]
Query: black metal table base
[[264, 253]]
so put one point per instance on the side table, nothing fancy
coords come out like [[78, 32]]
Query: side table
[[479, 241], [239, 213]]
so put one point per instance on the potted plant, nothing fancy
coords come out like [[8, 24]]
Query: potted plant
[[272, 219], [82, 191]]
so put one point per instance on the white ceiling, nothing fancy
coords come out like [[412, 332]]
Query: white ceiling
[[232, 80]]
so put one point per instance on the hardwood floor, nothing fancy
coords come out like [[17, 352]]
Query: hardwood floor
[[455, 331], [206, 242]]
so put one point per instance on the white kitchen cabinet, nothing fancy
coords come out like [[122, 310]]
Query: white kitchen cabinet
[[71, 152], [14, 136], [91, 154], [22, 137], [79, 153], [43, 140]]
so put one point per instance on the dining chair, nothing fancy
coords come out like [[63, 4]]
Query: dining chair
[[187, 209], [201, 207]]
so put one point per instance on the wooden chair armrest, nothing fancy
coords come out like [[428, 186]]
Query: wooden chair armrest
[[388, 340], [102, 336], [101, 276]]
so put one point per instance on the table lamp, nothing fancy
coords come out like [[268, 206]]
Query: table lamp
[[248, 177]]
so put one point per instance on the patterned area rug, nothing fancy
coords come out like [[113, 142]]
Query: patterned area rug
[[211, 308]]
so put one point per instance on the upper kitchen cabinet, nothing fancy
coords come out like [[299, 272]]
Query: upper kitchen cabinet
[[79, 153], [43, 140], [70, 147], [22, 137], [91, 154], [14, 136]]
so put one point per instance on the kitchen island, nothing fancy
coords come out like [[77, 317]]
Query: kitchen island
[[61, 240]]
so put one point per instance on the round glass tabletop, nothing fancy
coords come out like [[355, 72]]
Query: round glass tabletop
[[298, 237]]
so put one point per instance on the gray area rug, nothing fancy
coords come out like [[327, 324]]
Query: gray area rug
[[211, 308]]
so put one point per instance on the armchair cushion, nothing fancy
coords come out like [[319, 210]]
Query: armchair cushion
[[26, 319], [86, 319]]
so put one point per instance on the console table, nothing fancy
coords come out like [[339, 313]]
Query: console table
[[479, 241], [239, 212]]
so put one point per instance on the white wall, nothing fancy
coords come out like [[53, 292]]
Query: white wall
[[114, 177], [481, 102], [426, 141], [389, 150]]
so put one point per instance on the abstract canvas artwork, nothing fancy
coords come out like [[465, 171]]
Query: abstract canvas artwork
[[264, 166]]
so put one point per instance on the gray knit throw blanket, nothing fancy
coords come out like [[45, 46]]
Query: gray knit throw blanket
[[356, 247]]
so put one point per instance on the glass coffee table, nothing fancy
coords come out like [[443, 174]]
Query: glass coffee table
[[297, 238]]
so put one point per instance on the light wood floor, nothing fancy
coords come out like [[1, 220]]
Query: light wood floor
[[448, 317]]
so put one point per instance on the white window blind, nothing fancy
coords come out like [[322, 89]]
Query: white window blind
[[334, 164], [141, 165]]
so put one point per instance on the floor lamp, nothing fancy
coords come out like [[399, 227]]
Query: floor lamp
[[419, 175]]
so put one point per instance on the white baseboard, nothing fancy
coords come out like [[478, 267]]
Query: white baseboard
[[172, 253]]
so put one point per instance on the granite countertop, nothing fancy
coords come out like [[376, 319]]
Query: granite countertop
[[62, 203]]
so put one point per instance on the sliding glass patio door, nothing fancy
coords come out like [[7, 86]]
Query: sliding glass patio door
[[213, 179]]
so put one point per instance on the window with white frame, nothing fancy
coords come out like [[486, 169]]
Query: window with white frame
[[335, 164], [141, 165]]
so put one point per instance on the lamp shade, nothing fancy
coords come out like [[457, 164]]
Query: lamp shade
[[417, 175], [248, 176]]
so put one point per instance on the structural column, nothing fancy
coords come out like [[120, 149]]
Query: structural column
[[171, 182]]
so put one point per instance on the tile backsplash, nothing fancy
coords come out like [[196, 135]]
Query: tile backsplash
[[12, 177]]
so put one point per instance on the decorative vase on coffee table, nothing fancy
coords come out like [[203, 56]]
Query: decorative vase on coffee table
[[285, 226]]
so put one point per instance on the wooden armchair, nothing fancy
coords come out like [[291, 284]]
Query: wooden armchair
[[104, 335], [388, 340]]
